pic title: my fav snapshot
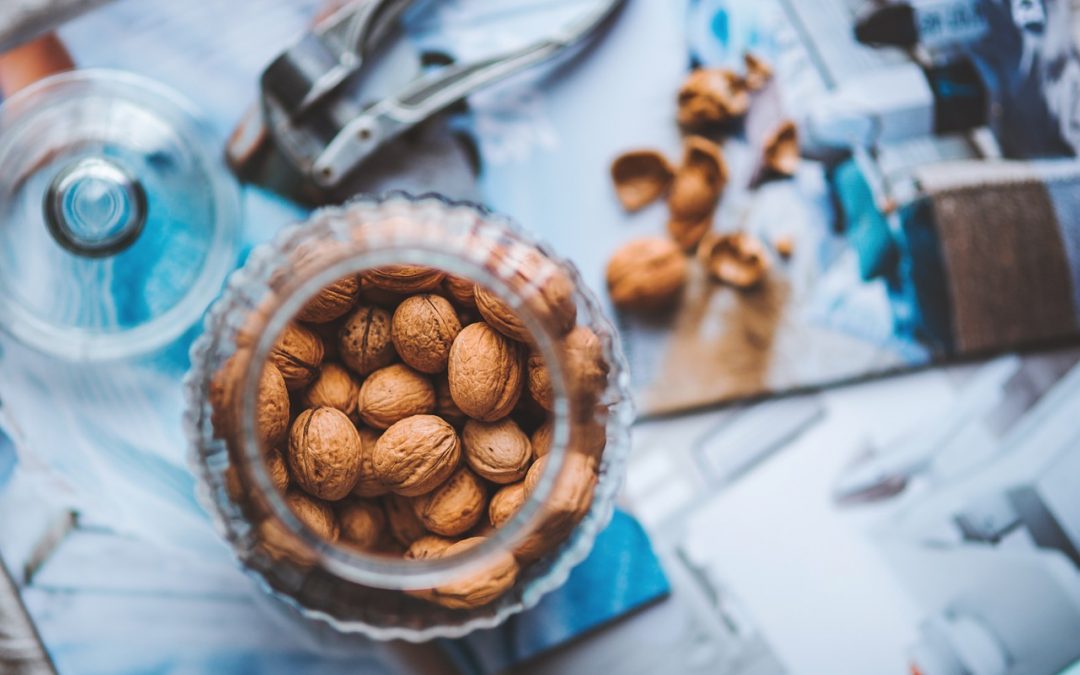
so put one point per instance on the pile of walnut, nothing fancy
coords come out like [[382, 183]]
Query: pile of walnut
[[405, 413], [650, 273]]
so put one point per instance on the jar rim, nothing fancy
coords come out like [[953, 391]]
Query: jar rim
[[381, 571]]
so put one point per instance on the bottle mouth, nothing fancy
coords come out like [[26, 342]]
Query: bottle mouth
[[371, 569], [95, 208]]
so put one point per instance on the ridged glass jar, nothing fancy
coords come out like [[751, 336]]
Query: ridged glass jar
[[363, 592]]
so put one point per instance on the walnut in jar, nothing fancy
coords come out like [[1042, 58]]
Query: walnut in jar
[[427, 547], [406, 278], [461, 290], [485, 371], [362, 523], [478, 588], [401, 520], [278, 470], [546, 289], [333, 388], [298, 353], [646, 274], [393, 393], [272, 402], [566, 504], [314, 513], [332, 301], [324, 453], [364, 341], [368, 484], [422, 329], [539, 381], [416, 454], [498, 451], [455, 506], [506, 503]]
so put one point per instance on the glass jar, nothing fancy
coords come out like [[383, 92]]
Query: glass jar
[[366, 592]]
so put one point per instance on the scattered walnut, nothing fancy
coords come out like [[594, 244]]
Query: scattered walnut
[[646, 274], [401, 520], [460, 290], [365, 343], [279, 472], [362, 523], [416, 454], [368, 484], [393, 393], [324, 453], [781, 155], [332, 302], [423, 328], [477, 588], [314, 513], [641, 177], [539, 381], [735, 259], [784, 245], [485, 372], [455, 506], [498, 451], [541, 439], [712, 96], [298, 354], [406, 278], [505, 503], [696, 190], [758, 72], [333, 388], [427, 547]]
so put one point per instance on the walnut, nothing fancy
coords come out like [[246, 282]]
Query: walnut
[[445, 406], [567, 503], [735, 259], [544, 287], [298, 354], [364, 341], [279, 472], [393, 393], [784, 245], [589, 436], [541, 439], [279, 543], [478, 588], [314, 513], [586, 367], [506, 503], [455, 506], [758, 72], [371, 294], [324, 453], [405, 278], [711, 97], [272, 404], [498, 451], [460, 290], [416, 454], [697, 187], [781, 154], [539, 381], [485, 372], [427, 547], [641, 177], [401, 520], [646, 274], [333, 388], [332, 302], [362, 523], [368, 484], [423, 328]]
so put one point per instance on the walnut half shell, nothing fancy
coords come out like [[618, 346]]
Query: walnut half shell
[[641, 177], [735, 259], [712, 96], [781, 154]]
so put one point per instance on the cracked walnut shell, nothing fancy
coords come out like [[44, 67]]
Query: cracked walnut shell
[[758, 72], [646, 274], [498, 451], [696, 190], [735, 259], [454, 507], [364, 341], [324, 453], [298, 353], [781, 154], [640, 177], [485, 372], [423, 328], [416, 454], [710, 97], [393, 393]]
